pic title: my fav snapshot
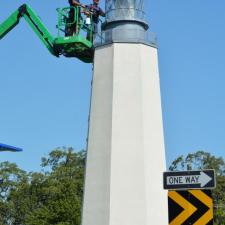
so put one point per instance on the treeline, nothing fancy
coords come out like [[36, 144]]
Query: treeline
[[54, 195]]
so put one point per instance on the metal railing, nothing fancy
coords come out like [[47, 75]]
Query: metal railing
[[131, 36]]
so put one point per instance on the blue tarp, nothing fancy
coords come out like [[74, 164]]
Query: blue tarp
[[9, 148]]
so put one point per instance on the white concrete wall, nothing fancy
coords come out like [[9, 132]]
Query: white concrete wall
[[126, 157]]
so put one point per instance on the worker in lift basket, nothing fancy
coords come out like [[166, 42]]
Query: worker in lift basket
[[95, 11], [72, 26]]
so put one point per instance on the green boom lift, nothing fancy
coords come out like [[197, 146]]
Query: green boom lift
[[69, 46]]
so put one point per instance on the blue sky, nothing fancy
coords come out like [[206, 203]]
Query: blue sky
[[44, 101]]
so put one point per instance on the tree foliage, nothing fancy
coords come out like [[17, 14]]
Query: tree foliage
[[53, 196], [203, 160]]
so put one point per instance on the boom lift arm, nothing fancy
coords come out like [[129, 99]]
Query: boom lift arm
[[72, 46], [35, 23]]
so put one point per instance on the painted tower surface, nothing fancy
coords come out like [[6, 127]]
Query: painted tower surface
[[126, 156]]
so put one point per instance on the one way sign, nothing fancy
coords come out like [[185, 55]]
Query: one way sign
[[204, 179]]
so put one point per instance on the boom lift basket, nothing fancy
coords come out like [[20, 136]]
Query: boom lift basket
[[75, 44]]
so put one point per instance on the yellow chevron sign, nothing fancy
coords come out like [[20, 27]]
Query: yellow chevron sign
[[194, 207]]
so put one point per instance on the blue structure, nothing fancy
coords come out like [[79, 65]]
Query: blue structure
[[8, 148]]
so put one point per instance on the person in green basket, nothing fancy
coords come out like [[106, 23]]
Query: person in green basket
[[95, 10], [72, 25]]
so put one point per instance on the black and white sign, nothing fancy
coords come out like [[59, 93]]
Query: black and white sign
[[204, 179]]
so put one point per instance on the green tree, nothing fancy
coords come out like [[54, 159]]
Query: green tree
[[11, 179], [58, 191], [204, 160], [50, 197]]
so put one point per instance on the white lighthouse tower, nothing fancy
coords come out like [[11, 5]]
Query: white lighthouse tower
[[126, 156]]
